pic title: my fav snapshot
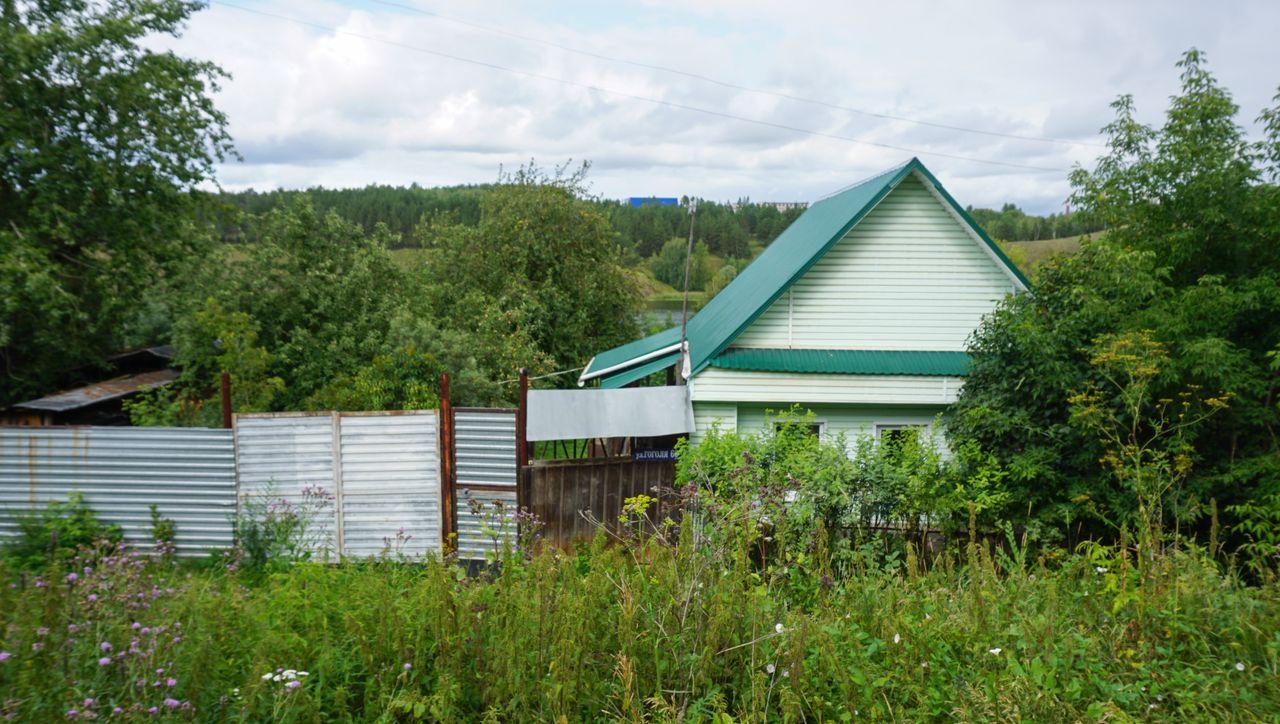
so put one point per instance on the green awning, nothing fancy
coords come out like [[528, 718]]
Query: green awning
[[631, 374], [845, 361]]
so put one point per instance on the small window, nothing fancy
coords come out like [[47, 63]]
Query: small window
[[895, 435], [811, 428]]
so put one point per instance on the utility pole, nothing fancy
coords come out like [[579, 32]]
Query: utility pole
[[684, 309]]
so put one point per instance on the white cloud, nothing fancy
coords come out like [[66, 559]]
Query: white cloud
[[314, 107]]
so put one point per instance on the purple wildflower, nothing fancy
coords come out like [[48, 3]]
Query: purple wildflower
[[4, 656], [135, 626], [42, 632], [293, 684], [407, 666], [170, 682], [88, 703], [117, 710], [105, 645], [172, 703], [93, 598], [72, 713], [104, 661], [153, 710], [72, 577]]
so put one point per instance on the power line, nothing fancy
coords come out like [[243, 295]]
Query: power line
[[730, 84], [647, 99]]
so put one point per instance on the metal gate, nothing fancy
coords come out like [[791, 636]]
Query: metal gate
[[370, 480], [484, 472]]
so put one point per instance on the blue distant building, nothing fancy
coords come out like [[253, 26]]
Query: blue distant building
[[654, 201]]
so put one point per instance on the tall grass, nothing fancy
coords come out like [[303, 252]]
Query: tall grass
[[642, 630]]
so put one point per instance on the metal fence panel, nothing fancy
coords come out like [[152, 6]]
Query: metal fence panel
[[390, 483], [188, 473], [381, 469], [280, 456], [485, 458]]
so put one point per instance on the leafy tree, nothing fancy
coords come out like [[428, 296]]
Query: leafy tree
[[316, 294], [539, 267], [406, 380], [668, 266], [104, 144], [1190, 261]]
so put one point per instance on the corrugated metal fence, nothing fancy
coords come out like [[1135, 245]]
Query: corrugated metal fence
[[485, 459], [370, 481], [188, 473]]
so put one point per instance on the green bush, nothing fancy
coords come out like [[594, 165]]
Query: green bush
[[55, 532]]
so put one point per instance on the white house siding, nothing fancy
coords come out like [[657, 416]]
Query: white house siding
[[716, 385], [908, 277]]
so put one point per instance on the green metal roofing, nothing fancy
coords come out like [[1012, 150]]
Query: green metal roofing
[[784, 261], [632, 350], [631, 374], [845, 361]]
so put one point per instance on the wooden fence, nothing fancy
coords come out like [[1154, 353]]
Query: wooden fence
[[571, 498]]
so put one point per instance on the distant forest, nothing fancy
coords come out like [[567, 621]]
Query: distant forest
[[727, 230]]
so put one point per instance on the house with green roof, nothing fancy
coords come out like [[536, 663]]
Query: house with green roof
[[860, 312]]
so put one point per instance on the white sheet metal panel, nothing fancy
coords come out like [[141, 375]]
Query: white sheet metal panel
[[390, 482], [484, 455], [189, 473], [629, 412], [277, 456]]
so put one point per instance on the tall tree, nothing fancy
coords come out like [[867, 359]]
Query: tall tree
[[540, 266], [1192, 261], [103, 144]]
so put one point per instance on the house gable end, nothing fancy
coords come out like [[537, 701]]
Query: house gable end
[[912, 274]]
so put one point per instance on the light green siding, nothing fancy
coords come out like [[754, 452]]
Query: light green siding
[[909, 276], [717, 385], [705, 414], [851, 421]]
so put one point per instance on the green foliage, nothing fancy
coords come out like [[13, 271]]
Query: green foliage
[[643, 630], [832, 496], [163, 531], [537, 279], [105, 142], [54, 533], [1190, 261], [1259, 524], [1013, 224], [668, 266], [406, 380], [274, 533]]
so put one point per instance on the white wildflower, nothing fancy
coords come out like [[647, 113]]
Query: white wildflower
[[1239, 666], [267, 676], [303, 673], [778, 627], [770, 668], [995, 652], [1100, 569], [897, 639]]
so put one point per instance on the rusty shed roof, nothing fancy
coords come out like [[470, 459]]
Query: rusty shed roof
[[100, 391]]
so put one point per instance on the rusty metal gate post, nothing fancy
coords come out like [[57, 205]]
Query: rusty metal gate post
[[448, 501], [522, 444]]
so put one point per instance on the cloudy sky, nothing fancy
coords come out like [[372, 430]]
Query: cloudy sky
[[718, 98]]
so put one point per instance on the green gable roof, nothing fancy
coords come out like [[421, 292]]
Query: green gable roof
[[845, 361], [784, 261]]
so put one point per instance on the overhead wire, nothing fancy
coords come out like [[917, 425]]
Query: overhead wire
[[729, 84], [634, 96]]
